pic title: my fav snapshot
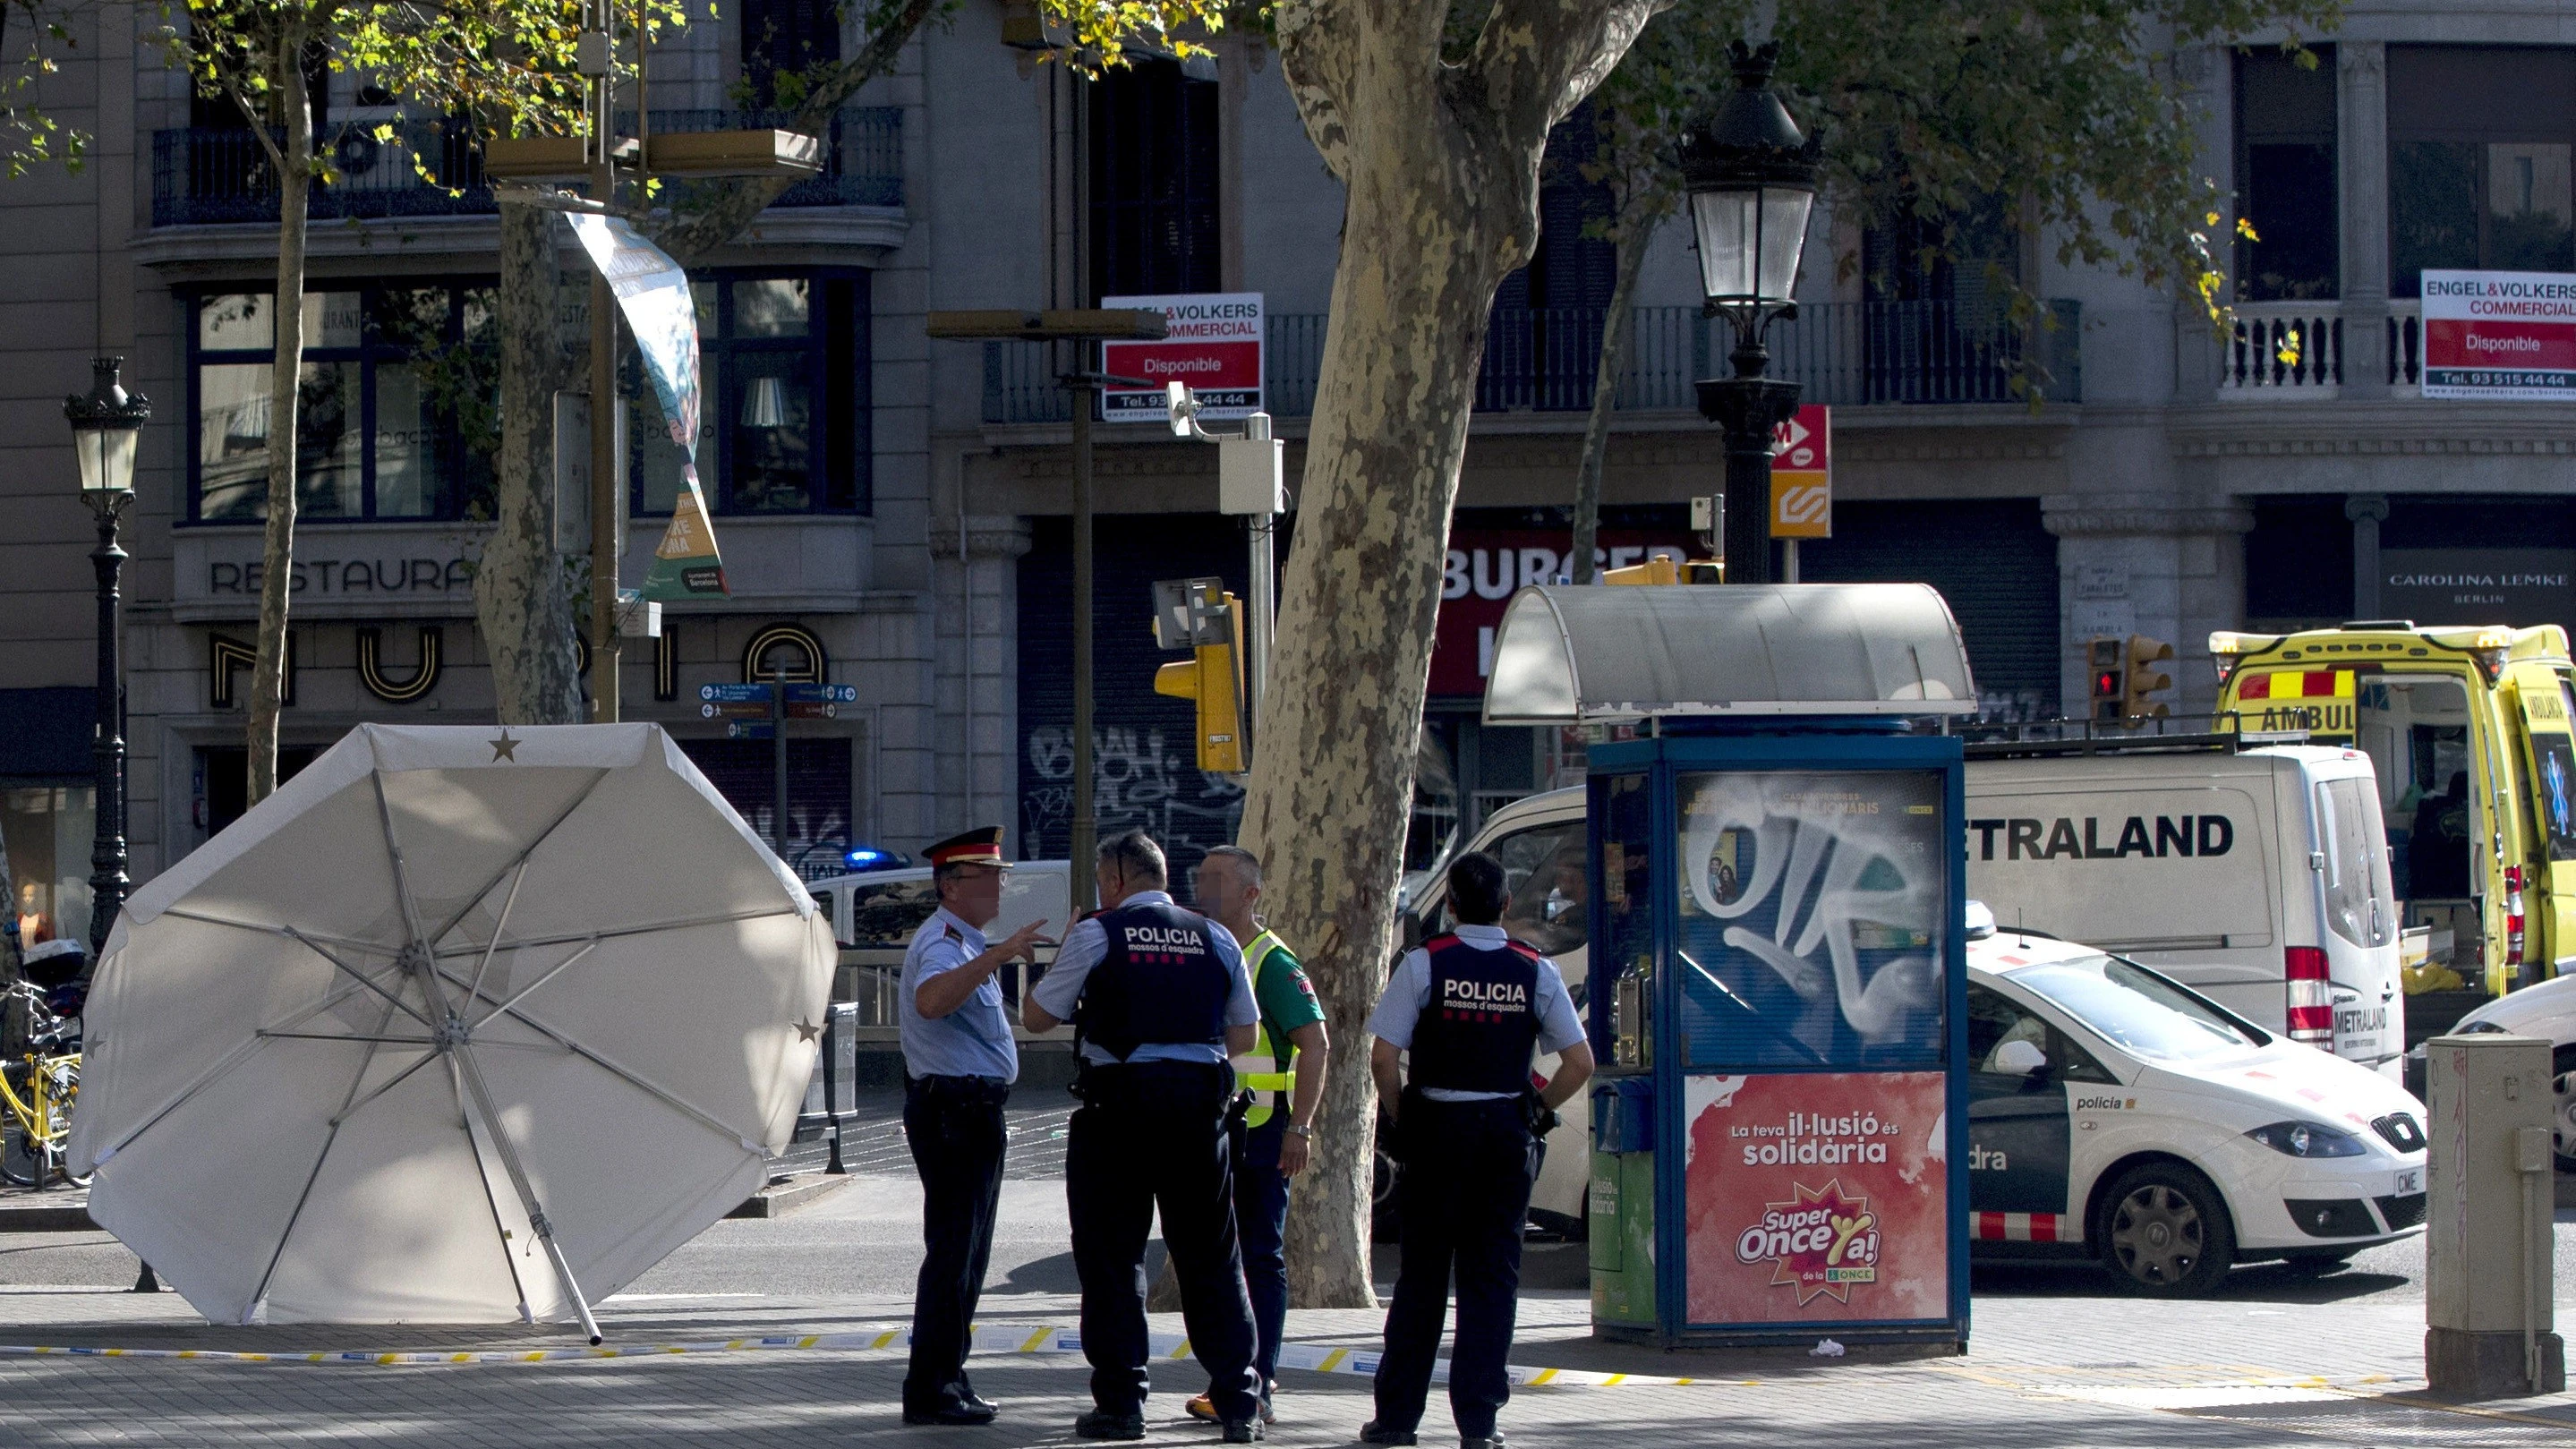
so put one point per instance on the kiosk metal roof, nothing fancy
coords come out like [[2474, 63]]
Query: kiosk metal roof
[[1571, 654]]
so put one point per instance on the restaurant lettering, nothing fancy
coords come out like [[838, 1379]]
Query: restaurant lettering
[[349, 576]]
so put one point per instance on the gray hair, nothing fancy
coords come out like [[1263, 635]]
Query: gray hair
[[1248, 863], [1135, 856]]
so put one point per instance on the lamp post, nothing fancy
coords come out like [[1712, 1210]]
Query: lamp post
[[1752, 180], [107, 423]]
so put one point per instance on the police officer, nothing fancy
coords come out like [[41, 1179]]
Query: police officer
[[959, 1062], [1284, 1077], [1161, 1000], [1473, 1007]]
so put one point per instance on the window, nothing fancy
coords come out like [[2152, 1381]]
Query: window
[[1546, 871], [1544, 344], [2285, 177], [1153, 182], [48, 831], [785, 37], [2479, 143], [784, 421], [2360, 904], [395, 417]]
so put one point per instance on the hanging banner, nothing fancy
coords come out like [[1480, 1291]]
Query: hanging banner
[[653, 291], [2499, 335], [1802, 475]]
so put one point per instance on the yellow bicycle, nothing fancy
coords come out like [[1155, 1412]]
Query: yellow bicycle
[[38, 1089]]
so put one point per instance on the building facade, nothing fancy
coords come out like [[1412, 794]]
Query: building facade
[[893, 510]]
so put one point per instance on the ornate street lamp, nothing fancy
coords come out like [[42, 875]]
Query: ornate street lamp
[[107, 424], [1752, 180]]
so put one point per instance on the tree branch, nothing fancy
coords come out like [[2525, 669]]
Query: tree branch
[[1319, 57], [1536, 60]]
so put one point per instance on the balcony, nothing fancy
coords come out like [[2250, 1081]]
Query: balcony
[[2284, 351], [1544, 360], [218, 175]]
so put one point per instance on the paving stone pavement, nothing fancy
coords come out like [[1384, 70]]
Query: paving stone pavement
[[2056, 1360]]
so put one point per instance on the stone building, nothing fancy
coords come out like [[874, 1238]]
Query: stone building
[[893, 510]]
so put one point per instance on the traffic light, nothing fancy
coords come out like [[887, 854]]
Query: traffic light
[[2138, 681], [2108, 677], [1199, 616]]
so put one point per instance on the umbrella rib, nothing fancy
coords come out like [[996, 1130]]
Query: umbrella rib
[[537, 1220], [483, 1174], [418, 1041], [393, 853], [630, 1078], [345, 943], [498, 925], [358, 976], [387, 1085], [647, 929], [524, 992], [329, 1140], [241, 1053], [514, 862]]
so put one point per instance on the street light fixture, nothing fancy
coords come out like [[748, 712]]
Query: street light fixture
[[1751, 176], [107, 424]]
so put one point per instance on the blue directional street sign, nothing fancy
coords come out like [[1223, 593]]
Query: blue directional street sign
[[734, 693], [750, 729], [823, 694]]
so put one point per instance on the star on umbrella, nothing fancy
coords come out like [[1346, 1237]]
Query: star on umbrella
[[807, 1031], [505, 748]]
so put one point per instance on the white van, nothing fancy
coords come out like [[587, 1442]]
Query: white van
[[2258, 878]]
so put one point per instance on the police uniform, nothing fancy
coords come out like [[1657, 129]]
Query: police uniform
[[1152, 988], [1472, 1008], [958, 1071]]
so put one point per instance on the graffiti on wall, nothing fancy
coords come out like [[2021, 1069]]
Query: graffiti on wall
[[1140, 780]]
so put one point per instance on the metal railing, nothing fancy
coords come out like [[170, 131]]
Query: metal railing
[[216, 174], [1545, 359]]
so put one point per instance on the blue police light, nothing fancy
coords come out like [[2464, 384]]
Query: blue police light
[[868, 857]]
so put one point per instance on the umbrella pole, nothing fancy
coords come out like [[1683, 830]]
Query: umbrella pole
[[537, 1220]]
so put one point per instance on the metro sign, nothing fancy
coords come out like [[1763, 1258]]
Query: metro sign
[[1802, 478]]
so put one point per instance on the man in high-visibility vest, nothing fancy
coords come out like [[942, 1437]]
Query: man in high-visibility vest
[[1284, 1077]]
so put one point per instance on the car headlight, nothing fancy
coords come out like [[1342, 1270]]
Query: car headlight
[[2308, 1139]]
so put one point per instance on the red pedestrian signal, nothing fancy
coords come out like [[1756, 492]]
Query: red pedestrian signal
[[2110, 678]]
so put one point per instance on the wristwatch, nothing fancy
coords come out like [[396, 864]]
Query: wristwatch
[[1301, 1131]]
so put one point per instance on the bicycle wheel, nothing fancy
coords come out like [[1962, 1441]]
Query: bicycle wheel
[[21, 1161]]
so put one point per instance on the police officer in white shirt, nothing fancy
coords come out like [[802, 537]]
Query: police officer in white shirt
[[1471, 1009]]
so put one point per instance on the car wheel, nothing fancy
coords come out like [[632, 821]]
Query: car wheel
[[2562, 1120], [2165, 1232], [2316, 1265]]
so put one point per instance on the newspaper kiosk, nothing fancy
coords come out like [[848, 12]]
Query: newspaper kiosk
[[1777, 989]]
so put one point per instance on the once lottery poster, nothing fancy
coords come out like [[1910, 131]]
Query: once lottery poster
[[1817, 1197]]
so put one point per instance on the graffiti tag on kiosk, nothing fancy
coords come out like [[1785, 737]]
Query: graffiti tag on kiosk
[[1821, 1241]]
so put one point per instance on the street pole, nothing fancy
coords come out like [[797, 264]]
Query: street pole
[[1085, 387], [1748, 407], [778, 758], [107, 879], [1256, 661], [607, 526]]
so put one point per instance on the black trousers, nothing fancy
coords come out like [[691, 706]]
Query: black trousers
[[954, 1125], [1152, 1135], [1463, 1197]]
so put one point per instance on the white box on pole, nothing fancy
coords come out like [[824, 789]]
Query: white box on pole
[[1251, 475], [2488, 1272]]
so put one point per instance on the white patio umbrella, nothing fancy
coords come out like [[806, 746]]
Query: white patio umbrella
[[462, 1025]]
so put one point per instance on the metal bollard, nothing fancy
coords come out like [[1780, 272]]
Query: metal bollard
[[2488, 1271]]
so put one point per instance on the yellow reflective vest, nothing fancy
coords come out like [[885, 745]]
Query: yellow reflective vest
[[1257, 1071]]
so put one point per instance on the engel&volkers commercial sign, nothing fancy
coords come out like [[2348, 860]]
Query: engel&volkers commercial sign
[[1211, 340], [2499, 335]]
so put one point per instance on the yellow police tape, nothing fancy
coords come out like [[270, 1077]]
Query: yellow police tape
[[1310, 1357]]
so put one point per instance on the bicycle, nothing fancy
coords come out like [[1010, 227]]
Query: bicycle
[[39, 1089]]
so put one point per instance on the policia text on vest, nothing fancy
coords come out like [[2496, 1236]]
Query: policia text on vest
[[1472, 1009], [1161, 999]]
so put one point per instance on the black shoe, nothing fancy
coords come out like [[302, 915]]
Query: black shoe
[[1374, 1432], [1493, 1440], [967, 1412], [1102, 1424], [1243, 1431], [980, 1404]]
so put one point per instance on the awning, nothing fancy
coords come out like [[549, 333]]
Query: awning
[[1579, 654]]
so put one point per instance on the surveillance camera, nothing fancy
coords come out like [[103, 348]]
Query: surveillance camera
[[1183, 408]]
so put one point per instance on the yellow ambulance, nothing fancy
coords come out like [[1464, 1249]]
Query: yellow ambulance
[[2469, 732]]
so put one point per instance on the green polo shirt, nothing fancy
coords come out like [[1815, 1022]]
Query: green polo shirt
[[1286, 997]]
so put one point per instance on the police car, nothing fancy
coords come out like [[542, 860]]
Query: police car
[[2117, 1115]]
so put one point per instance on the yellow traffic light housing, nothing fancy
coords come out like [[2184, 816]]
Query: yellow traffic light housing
[[2138, 681], [1197, 615]]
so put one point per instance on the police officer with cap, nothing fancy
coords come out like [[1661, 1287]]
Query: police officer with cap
[[1161, 1000], [959, 1062], [1473, 1008]]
